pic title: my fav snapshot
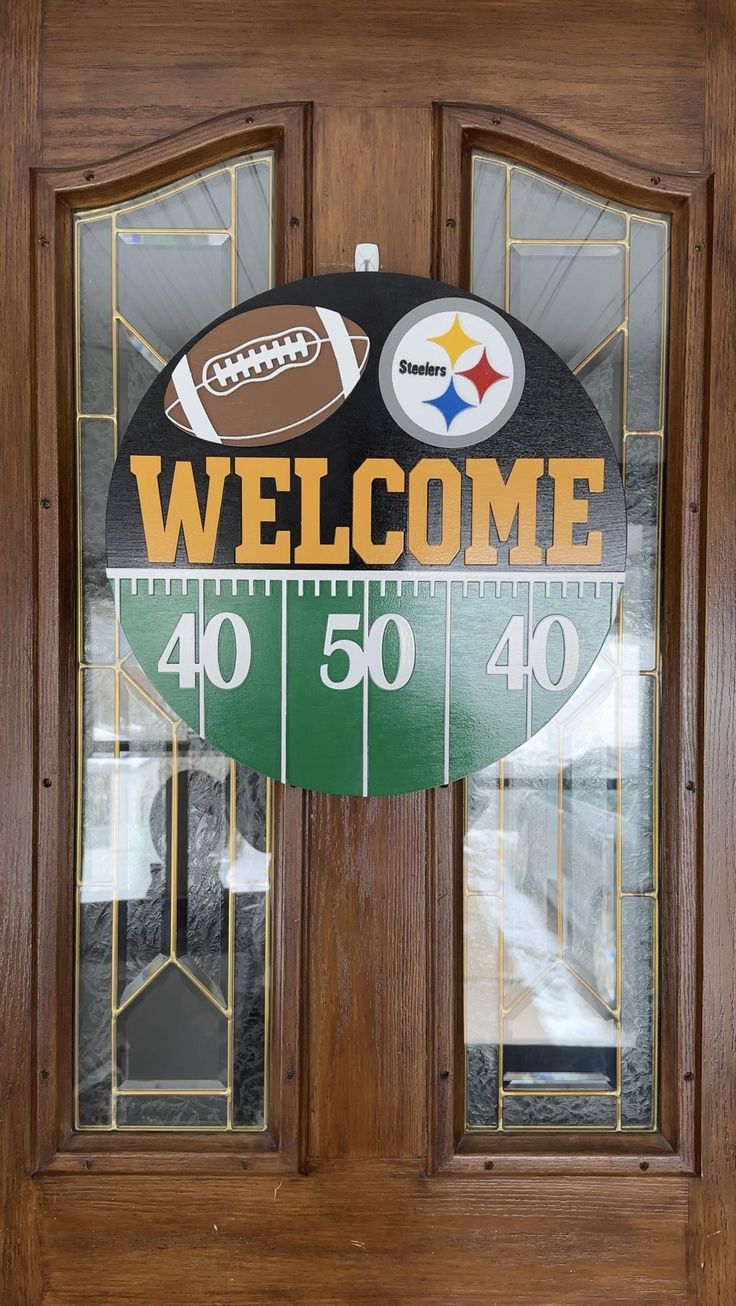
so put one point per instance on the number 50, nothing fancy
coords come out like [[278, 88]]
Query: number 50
[[368, 660]]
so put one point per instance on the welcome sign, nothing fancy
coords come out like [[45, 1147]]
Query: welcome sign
[[366, 533]]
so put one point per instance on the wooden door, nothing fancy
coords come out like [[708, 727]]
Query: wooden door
[[384, 1149]]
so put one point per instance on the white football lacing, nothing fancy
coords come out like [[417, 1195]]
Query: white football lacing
[[261, 357]]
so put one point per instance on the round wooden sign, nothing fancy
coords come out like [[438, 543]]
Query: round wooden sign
[[366, 533]]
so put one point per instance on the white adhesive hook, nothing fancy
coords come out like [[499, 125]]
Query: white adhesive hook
[[367, 258]]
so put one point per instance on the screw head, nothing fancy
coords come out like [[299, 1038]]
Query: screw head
[[249, 119], [451, 224], [690, 786], [444, 1074], [693, 507], [243, 1165], [293, 222], [643, 1165], [44, 1074], [488, 1165], [655, 180], [689, 1074], [88, 1164], [44, 242], [496, 120], [45, 503], [89, 176], [46, 782]]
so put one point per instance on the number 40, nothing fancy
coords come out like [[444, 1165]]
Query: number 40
[[187, 666], [515, 668]]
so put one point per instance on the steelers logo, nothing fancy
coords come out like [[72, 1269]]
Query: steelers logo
[[452, 374]]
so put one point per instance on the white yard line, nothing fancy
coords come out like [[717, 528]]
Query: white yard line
[[448, 633], [366, 618], [284, 594]]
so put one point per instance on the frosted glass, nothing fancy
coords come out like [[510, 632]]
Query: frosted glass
[[175, 868], [561, 882]]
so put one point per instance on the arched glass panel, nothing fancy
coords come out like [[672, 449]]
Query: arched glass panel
[[173, 859], [561, 873]]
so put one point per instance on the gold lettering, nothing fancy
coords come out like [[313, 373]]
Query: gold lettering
[[508, 501], [312, 549], [184, 515], [448, 476], [372, 470], [255, 510], [569, 510]]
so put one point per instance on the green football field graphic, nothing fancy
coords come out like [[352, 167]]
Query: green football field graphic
[[365, 682]]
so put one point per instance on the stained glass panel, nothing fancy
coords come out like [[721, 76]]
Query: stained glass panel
[[174, 862], [561, 874]]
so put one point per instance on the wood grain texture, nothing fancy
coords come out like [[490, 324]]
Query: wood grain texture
[[20, 35], [366, 976], [366, 859], [682, 656], [370, 1236], [713, 1222], [627, 76], [359, 157]]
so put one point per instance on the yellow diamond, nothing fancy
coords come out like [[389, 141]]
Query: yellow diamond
[[455, 341]]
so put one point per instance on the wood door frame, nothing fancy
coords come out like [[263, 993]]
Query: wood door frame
[[713, 1198], [285, 129], [712, 1251], [461, 129], [21, 1274]]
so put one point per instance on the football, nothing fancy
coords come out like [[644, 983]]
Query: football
[[266, 375]]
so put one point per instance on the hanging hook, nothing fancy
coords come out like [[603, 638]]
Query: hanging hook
[[367, 258]]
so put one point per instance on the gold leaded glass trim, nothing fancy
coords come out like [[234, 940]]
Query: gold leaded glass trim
[[249, 268], [502, 876]]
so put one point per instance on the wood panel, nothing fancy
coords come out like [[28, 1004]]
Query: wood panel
[[371, 1236], [366, 859], [359, 155], [20, 34], [367, 976], [713, 1250], [618, 74]]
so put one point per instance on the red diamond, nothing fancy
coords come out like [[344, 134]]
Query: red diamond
[[483, 375]]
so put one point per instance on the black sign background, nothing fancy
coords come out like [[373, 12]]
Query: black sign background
[[555, 418]]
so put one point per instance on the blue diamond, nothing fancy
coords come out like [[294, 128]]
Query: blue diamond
[[449, 403]]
